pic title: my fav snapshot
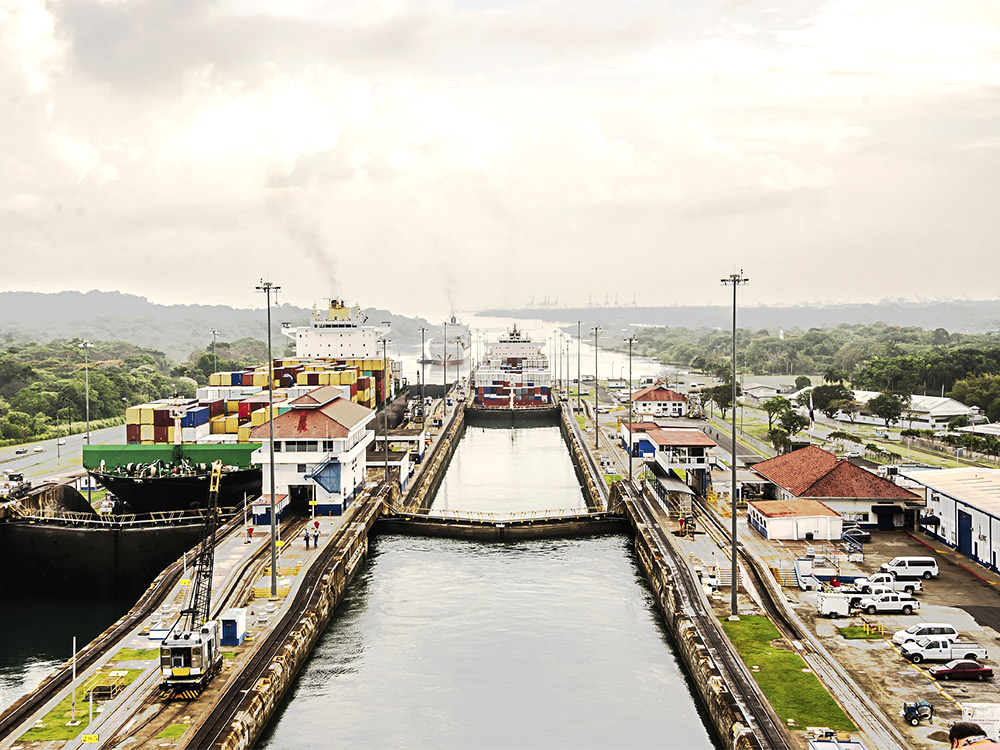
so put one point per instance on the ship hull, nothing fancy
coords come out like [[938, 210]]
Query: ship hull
[[169, 493]]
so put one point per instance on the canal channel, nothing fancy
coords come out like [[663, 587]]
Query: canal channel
[[444, 643]]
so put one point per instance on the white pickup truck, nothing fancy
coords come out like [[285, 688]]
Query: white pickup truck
[[868, 583], [889, 603], [941, 649]]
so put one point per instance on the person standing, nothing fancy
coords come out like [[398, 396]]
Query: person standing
[[316, 538], [969, 734], [305, 535]]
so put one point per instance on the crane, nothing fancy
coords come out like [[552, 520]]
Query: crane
[[190, 654]]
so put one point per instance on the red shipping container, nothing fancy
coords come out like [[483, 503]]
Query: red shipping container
[[160, 434], [312, 378], [162, 417], [132, 432], [354, 390], [246, 378], [215, 408]]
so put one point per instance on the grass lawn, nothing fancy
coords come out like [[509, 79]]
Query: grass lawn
[[54, 722], [795, 694], [856, 632], [581, 420], [612, 478], [127, 654], [172, 731]]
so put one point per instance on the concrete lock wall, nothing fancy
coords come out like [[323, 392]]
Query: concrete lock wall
[[588, 484], [421, 493], [717, 700], [248, 725]]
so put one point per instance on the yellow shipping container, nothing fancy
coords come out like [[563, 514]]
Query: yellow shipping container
[[215, 379], [243, 436], [146, 415], [302, 379], [133, 415], [260, 379], [232, 406], [232, 424], [171, 433], [146, 432], [348, 377], [217, 425]]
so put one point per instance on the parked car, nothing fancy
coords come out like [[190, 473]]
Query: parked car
[[852, 454], [854, 533], [38, 448], [941, 649], [20, 451], [889, 603], [962, 669], [888, 580], [925, 630], [911, 567]]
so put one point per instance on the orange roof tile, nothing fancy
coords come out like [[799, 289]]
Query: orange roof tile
[[814, 472], [792, 508], [656, 393], [681, 438]]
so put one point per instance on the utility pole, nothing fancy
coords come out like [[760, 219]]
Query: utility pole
[[597, 417], [630, 340], [579, 383], [735, 279], [215, 359], [423, 378], [385, 400], [86, 346], [444, 360], [268, 288]]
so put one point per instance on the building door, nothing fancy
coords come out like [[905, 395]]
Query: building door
[[299, 495], [965, 533]]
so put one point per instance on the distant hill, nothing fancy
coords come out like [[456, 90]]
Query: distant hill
[[959, 316], [176, 330]]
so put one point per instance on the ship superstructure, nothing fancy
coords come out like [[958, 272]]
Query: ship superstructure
[[514, 373], [452, 347], [338, 331]]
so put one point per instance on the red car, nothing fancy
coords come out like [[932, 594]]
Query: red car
[[962, 669]]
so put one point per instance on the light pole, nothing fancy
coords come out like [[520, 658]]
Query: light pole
[[423, 378], [630, 340], [735, 279], [268, 288], [385, 416], [444, 361], [597, 417], [86, 346], [579, 402], [215, 360]]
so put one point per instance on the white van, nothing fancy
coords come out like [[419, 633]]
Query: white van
[[924, 629], [911, 567]]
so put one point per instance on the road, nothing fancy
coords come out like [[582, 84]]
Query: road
[[53, 459]]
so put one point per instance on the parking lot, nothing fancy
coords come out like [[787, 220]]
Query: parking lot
[[957, 597]]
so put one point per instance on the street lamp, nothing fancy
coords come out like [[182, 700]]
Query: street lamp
[[215, 360], [597, 417], [444, 360], [86, 345], [423, 378], [385, 412], [579, 384], [630, 340], [735, 279], [268, 288]]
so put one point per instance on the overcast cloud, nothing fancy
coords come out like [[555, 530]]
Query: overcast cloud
[[420, 155]]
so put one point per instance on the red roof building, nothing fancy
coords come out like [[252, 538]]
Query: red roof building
[[659, 401], [855, 493]]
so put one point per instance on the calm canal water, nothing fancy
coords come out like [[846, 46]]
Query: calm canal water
[[443, 643]]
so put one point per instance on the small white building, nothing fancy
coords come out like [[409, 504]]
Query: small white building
[[320, 445], [658, 401], [794, 519], [963, 510], [755, 393]]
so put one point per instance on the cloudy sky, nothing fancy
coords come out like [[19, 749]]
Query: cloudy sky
[[416, 155]]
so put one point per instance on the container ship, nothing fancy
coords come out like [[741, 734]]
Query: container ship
[[514, 374], [453, 346]]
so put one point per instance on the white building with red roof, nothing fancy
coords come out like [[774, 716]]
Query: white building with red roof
[[672, 453], [320, 446], [658, 401], [794, 519], [856, 494]]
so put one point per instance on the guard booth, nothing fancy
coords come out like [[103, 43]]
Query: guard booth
[[234, 626]]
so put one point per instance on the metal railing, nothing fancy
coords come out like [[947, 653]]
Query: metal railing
[[77, 518], [520, 517]]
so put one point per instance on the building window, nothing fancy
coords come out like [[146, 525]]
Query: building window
[[328, 445], [277, 446], [301, 468]]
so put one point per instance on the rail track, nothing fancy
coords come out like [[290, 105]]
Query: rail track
[[235, 694], [764, 723], [15, 716], [860, 707]]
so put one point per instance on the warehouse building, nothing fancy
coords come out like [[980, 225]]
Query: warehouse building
[[963, 510]]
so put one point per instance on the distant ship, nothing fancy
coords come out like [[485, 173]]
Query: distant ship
[[513, 374], [456, 349]]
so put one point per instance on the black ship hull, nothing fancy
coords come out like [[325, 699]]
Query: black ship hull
[[171, 493]]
